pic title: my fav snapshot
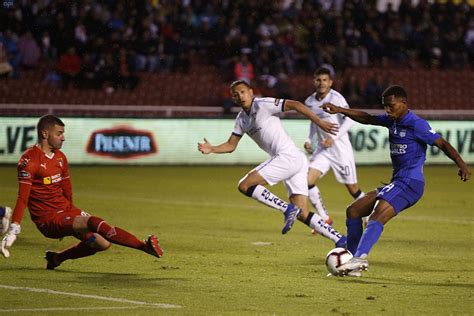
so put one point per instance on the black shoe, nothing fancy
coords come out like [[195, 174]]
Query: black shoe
[[51, 261]]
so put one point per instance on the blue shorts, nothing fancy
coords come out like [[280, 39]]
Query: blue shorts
[[401, 193]]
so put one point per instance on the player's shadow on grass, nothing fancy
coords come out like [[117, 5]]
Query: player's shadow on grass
[[374, 277], [366, 279], [113, 278]]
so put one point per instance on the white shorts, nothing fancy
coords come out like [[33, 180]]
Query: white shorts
[[343, 166], [291, 168]]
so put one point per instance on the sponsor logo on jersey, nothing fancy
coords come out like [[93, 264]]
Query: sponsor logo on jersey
[[398, 149], [122, 142], [402, 133], [52, 179]]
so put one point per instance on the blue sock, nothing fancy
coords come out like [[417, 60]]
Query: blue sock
[[369, 238], [2, 211], [354, 232]]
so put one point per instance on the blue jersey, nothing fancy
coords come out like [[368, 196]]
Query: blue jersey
[[408, 139]]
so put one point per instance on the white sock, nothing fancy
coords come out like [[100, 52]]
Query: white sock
[[361, 195], [263, 195], [317, 202], [321, 227]]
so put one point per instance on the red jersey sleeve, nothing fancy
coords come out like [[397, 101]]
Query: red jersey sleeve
[[66, 180], [26, 170]]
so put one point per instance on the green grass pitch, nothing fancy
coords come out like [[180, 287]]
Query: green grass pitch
[[224, 253]]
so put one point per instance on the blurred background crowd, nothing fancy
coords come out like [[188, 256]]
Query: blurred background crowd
[[108, 45]]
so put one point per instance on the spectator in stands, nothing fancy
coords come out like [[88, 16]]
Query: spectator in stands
[[126, 79], [352, 91], [9, 41], [176, 53], [110, 73], [29, 50], [5, 67], [147, 53], [243, 69], [373, 90], [89, 77], [47, 50], [69, 67]]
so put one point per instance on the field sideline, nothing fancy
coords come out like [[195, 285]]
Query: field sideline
[[224, 253]]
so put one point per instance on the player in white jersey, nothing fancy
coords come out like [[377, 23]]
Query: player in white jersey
[[259, 119], [329, 151]]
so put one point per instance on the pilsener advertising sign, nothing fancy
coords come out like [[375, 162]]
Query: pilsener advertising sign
[[174, 141]]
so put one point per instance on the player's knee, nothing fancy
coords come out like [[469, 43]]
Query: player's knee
[[352, 212], [96, 242], [247, 190], [104, 246]]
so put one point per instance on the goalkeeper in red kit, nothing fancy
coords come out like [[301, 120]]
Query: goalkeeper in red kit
[[45, 188]]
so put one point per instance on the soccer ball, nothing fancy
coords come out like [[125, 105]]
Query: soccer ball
[[336, 258]]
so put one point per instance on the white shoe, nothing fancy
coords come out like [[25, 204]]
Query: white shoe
[[354, 266], [5, 220]]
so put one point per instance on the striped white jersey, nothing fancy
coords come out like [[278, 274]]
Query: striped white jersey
[[342, 144]]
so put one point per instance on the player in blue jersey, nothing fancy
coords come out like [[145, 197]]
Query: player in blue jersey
[[408, 138]]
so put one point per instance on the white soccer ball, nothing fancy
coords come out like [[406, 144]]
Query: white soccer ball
[[336, 258]]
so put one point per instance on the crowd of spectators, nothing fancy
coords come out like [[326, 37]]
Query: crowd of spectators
[[106, 43]]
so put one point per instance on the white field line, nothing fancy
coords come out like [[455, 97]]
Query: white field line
[[72, 309], [404, 216], [95, 297]]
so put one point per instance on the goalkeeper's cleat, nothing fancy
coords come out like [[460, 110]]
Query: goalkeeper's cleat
[[51, 260], [291, 214], [356, 264], [5, 215], [153, 246], [342, 242]]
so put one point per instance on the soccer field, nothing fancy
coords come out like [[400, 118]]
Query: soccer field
[[224, 253]]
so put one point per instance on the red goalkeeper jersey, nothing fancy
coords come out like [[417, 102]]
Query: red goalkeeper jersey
[[44, 184]]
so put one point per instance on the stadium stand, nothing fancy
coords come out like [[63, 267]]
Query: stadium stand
[[146, 53]]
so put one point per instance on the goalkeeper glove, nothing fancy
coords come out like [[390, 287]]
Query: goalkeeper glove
[[10, 238]]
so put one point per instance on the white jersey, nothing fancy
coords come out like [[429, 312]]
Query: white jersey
[[342, 145], [263, 125]]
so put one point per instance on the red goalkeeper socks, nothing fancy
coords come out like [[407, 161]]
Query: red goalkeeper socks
[[114, 234]]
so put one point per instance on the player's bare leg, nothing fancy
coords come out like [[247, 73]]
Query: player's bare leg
[[356, 193], [91, 244]]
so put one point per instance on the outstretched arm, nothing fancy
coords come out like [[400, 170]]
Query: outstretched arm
[[227, 147], [452, 153], [358, 116], [14, 229], [301, 108]]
